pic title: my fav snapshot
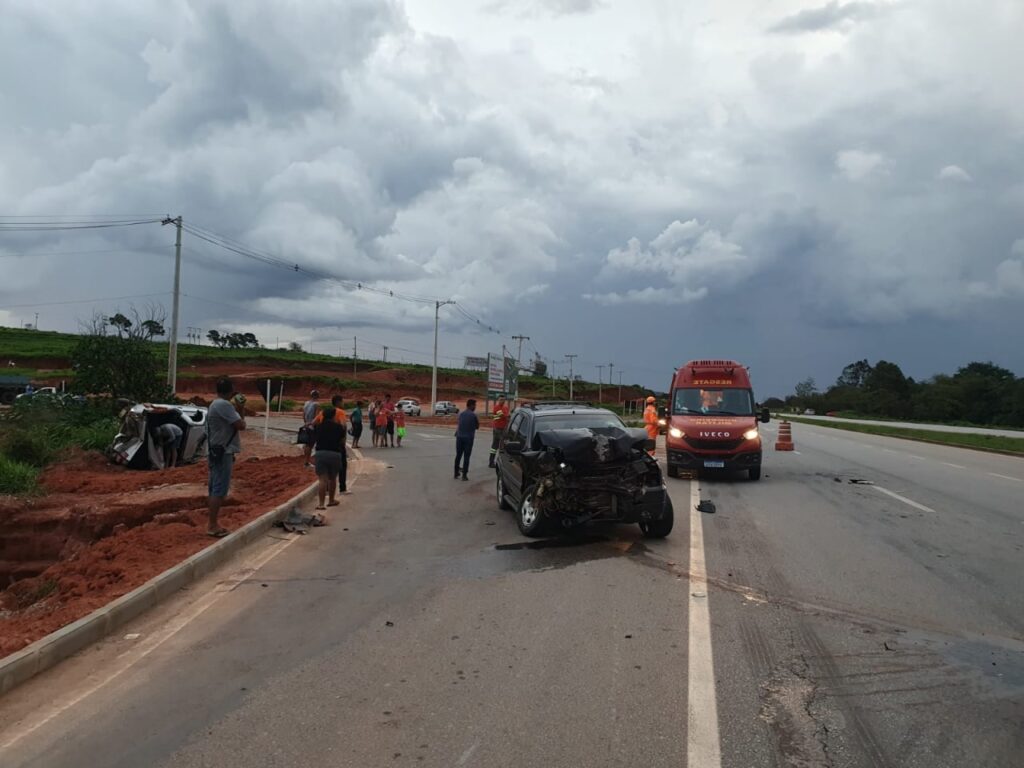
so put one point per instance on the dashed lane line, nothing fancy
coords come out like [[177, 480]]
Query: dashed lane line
[[955, 466], [702, 745], [1006, 477], [904, 499]]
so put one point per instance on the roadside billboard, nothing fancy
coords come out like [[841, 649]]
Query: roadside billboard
[[476, 363], [495, 376]]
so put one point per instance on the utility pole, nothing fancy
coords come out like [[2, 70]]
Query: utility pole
[[172, 346], [35, 326], [433, 377], [385, 353], [519, 357], [611, 372], [620, 386], [600, 374], [355, 355], [571, 358]]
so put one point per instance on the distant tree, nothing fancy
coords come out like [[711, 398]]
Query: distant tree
[[250, 340], [294, 346], [215, 339], [985, 371], [540, 368], [152, 328], [855, 374], [124, 365], [806, 388], [121, 323]]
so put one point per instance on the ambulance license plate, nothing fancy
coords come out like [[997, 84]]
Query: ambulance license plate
[[714, 465]]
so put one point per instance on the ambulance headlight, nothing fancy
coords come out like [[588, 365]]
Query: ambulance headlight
[[750, 434], [676, 432]]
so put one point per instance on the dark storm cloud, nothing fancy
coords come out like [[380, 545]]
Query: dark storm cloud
[[829, 16]]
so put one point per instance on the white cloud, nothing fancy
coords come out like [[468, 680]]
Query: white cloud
[[688, 256], [954, 173], [857, 165], [831, 17]]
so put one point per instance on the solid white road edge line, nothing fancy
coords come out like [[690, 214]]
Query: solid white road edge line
[[134, 655], [904, 499], [702, 747]]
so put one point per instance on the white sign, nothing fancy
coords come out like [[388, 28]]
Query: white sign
[[495, 373]]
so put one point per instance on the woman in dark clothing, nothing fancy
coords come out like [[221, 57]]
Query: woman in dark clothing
[[357, 423], [329, 442]]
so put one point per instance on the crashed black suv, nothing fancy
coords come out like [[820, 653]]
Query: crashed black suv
[[562, 464]]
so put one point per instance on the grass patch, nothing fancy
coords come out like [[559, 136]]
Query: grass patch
[[1013, 445], [17, 478]]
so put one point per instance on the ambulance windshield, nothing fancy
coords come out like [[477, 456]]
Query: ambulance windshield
[[715, 402]]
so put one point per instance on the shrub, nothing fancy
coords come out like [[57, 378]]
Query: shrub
[[24, 446], [16, 477]]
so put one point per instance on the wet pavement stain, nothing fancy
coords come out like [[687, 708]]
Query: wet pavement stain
[[559, 542]]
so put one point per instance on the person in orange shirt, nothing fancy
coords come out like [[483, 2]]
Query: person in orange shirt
[[499, 420], [339, 418], [651, 420], [400, 425], [382, 426], [339, 413]]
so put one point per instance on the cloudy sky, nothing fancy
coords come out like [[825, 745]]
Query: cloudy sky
[[795, 184]]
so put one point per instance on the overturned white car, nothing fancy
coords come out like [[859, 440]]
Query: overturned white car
[[135, 445]]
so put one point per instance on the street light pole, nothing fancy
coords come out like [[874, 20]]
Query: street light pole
[[433, 377], [172, 346], [600, 373], [571, 358]]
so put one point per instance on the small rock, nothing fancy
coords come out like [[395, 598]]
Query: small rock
[[119, 528], [389, 623], [166, 518], [629, 637]]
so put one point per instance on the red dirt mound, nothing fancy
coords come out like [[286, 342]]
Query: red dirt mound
[[102, 530]]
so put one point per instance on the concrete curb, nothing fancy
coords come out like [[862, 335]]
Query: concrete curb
[[66, 641]]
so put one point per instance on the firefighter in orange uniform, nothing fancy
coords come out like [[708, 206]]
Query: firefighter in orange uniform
[[499, 420], [651, 420]]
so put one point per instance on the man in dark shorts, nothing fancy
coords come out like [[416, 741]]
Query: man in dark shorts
[[224, 420], [330, 457]]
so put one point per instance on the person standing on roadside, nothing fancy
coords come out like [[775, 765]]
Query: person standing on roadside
[[224, 420], [651, 420], [499, 420], [400, 425], [329, 439], [371, 417], [382, 426], [356, 420], [465, 433], [309, 411], [339, 418]]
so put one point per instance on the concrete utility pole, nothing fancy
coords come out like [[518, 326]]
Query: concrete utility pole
[[172, 346], [620, 386], [600, 373], [571, 358], [355, 355], [385, 353], [611, 372], [433, 377], [519, 357]]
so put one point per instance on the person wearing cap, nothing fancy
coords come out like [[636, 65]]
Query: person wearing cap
[[309, 412], [651, 420], [499, 420]]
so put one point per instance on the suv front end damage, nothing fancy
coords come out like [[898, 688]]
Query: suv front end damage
[[595, 474]]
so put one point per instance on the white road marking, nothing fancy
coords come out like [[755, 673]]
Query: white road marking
[[955, 466], [904, 499], [468, 754], [137, 653], [702, 747], [1006, 477], [798, 453], [919, 458]]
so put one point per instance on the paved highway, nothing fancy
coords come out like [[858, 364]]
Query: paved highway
[[915, 425], [862, 605]]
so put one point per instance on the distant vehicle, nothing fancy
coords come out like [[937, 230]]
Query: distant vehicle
[[713, 419], [563, 464], [831, 413], [409, 406], [41, 392], [135, 447], [445, 408], [808, 411], [11, 387]]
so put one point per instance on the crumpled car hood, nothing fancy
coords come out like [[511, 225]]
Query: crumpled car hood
[[593, 445]]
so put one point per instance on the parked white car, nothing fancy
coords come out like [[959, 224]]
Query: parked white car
[[409, 406], [445, 408]]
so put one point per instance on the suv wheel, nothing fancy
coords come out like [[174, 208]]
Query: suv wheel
[[500, 489], [659, 529], [528, 517]]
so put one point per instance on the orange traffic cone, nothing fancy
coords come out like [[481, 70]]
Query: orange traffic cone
[[785, 441]]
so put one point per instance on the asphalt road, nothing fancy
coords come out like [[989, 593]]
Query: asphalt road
[[916, 425], [813, 620]]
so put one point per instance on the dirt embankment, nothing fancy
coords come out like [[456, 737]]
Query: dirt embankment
[[102, 530]]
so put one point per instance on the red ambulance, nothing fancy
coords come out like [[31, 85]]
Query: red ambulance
[[712, 419]]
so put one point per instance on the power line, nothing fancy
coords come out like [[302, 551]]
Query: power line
[[55, 226], [81, 301], [77, 253]]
